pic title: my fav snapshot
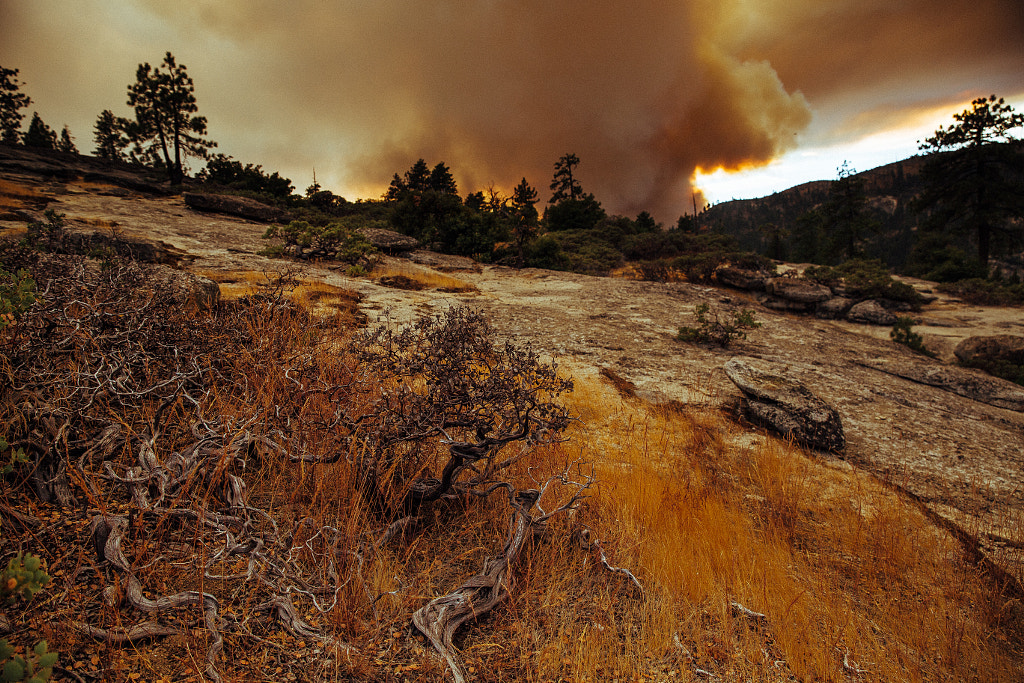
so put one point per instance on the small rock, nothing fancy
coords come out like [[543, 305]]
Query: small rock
[[871, 312], [388, 241], [833, 308], [742, 278], [800, 291], [777, 304], [242, 207], [787, 406]]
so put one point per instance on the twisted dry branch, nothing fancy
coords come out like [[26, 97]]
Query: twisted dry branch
[[440, 618]]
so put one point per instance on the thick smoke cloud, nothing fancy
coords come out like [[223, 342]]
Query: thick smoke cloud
[[500, 89], [644, 93]]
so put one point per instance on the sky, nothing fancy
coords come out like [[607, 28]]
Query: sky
[[660, 99]]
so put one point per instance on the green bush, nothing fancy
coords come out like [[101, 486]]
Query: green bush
[[48, 235], [979, 292], [337, 240], [24, 576], [1004, 369], [545, 252], [17, 294], [865, 279], [700, 266], [711, 328], [15, 457], [36, 668], [902, 333]]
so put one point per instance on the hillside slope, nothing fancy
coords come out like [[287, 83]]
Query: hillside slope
[[884, 562]]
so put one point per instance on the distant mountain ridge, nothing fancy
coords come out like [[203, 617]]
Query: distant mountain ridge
[[889, 191]]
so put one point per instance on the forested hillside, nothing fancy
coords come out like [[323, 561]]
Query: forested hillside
[[771, 225]]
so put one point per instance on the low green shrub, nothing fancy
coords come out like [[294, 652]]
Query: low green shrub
[[36, 668], [700, 266], [13, 457], [48, 235], [865, 279], [271, 251], [1004, 369], [980, 292], [17, 294], [337, 240], [24, 577], [712, 328]]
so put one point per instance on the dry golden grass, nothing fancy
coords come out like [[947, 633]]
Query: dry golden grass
[[14, 195], [854, 581], [849, 574], [320, 298], [418, 278]]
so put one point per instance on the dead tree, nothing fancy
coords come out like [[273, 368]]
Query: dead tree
[[451, 402]]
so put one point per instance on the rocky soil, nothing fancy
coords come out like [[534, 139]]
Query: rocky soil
[[961, 458]]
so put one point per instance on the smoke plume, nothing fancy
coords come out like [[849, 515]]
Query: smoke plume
[[645, 93]]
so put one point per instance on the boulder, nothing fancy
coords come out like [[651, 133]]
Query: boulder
[[1008, 348], [800, 291], [871, 312], [777, 304], [446, 263], [896, 305], [243, 207], [787, 406], [742, 278], [388, 241], [833, 308]]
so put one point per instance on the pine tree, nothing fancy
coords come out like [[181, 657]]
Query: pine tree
[[39, 134], [108, 134], [165, 129], [525, 218], [12, 101], [564, 185], [974, 181], [67, 142]]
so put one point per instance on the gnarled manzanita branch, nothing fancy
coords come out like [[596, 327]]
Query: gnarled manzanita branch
[[441, 617]]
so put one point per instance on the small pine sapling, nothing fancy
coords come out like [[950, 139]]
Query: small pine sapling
[[902, 333]]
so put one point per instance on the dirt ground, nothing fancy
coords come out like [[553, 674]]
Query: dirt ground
[[962, 459]]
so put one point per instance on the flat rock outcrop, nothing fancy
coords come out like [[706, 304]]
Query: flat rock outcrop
[[64, 166], [742, 278], [798, 291], [787, 406], [870, 312], [243, 207], [389, 241]]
